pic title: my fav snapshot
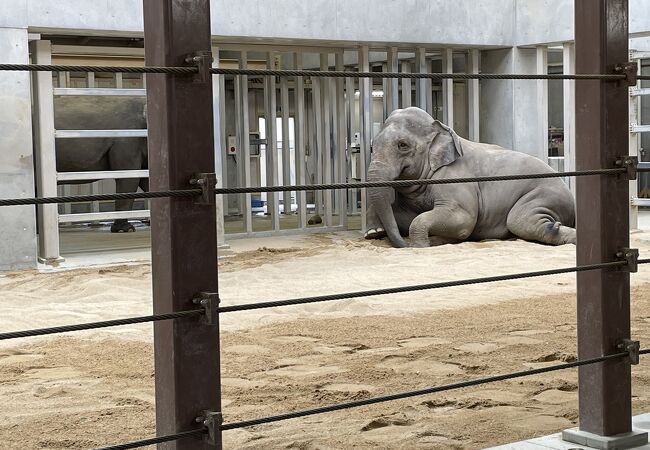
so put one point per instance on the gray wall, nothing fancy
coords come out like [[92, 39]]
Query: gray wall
[[17, 223]]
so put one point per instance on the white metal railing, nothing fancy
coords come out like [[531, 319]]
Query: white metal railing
[[100, 92], [108, 215], [100, 175], [74, 134]]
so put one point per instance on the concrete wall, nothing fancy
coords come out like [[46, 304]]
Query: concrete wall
[[17, 223], [462, 22]]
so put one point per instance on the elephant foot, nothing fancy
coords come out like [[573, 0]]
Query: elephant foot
[[375, 233], [122, 226], [316, 219]]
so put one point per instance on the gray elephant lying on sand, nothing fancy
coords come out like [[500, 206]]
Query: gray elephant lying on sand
[[412, 145]]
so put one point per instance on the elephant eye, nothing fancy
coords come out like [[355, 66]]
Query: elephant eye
[[402, 145]]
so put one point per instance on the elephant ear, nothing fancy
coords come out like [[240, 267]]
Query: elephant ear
[[445, 146]]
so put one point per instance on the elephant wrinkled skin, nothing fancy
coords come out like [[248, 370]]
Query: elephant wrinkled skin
[[101, 154], [412, 145]]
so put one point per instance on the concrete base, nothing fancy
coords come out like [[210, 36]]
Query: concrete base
[[636, 438], [51, 261]]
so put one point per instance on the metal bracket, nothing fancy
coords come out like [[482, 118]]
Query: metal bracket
[[210, 302], [212, 421], [632, 348], [207, 182], [629, 69], [203, 60], [631, 256], [631, 163]]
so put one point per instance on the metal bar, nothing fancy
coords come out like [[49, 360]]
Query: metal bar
[[421, 67], [473, 95], [220, 150], [317, 153], [326, 93], [406, 85], [634, 112], [448, 88], [385, 87], [640, 201], [365, 125], [100, 92], [542, 104], [187, 366], [300, 131], [639, 55], [101, 175], [107, 215], [286, 151], [429, 94], [285, 232], [91, 80], [569, 99], [638, 92], [601, 30], [640, 128], [44, 154], [245, 157], [273, 200], [349, 120], [72, 134], [393, 66], [118, 80], [340, 139]]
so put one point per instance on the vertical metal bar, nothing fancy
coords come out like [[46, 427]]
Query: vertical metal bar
[[245, 155], [569, 99], [184, 238], [218, 104], [317, 154], [349, 112], [119, 80], [473, 95], [635, 145], [393, 66], [300, 131], [365, 125], [326, 84], [44, 154], [421, 67], [339, 123], [448, 88], [429, 92], [94, 206], [542, 103], [385, 86], [273, 199], [286, 153], [602, 205], [91, 79], [406, 85]]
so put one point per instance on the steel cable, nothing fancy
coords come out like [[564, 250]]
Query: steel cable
[[157, 440], [403, 183], [419, 392], [99, 197], [103, 324], [307, 73], [418, 287]]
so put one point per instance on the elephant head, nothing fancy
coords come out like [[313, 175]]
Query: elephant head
[[411, 145]]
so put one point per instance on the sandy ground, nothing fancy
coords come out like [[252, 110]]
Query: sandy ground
[[84, 390]]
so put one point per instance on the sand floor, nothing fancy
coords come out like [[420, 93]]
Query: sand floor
[[83, 390]]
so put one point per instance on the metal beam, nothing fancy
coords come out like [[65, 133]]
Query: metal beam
[[473, 95], [270, 108], [99, 92], [601, 29], [101, 175], [421, 67], [448, 88], [245, 149], [183, 233], [107, 215], [286, 151], [220, 150], [300, 141], [72, 134], [365, 124], [393, 83], [326, 93], [340, 139], [406, 85]]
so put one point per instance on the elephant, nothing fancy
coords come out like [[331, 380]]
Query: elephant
[[411, 145], [89, 154]]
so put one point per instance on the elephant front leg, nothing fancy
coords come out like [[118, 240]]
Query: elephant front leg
[[444, 224]]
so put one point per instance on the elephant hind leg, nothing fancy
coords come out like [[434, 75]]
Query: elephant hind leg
[[540, 224], [124, 185]]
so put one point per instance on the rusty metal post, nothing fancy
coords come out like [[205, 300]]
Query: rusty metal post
[[601, 34], [183, 231]]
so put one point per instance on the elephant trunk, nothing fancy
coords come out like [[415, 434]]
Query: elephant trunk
[[379, 199]]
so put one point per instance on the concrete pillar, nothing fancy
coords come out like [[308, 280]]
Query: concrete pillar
[[18, 247], [448, 88], [473, 94], [569, 98], [510, 120]]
